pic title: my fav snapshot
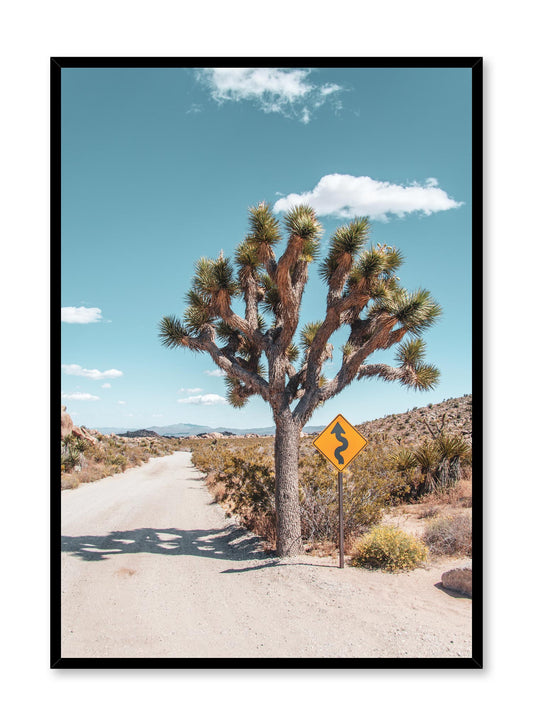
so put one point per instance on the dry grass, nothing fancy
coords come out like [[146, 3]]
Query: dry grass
[[114, 454], [458, 496], [449, 535]]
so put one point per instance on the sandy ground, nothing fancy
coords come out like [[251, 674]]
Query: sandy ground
[[152, 568]]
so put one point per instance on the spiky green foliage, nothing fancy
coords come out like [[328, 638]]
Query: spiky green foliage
[[348, 239], [377, 263], [310, 250], [236, 394], [347, 349], [403, 460], [264, 227], [426, 456], [225, 332], [302, 222], [198, 313], [223, 276], [171, 332], [202, 281], [292, 353], [247, 260], [212, 276], [411, 352], [434, 464], [308, 332], [414, 311], [451, 447], [271, 300], [427, 377]]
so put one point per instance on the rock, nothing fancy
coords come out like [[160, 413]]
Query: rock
[[459, 580], [66, 422], [141, 433], [82, 433]]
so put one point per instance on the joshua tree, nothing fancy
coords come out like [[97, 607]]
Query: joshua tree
[[259, 356]]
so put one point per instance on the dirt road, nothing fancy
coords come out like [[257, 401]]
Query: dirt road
[[152, 568]]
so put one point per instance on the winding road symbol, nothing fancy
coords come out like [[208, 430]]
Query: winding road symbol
[[339, 431], [340, 442]]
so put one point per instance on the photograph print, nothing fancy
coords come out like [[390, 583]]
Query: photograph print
[[270, 382]]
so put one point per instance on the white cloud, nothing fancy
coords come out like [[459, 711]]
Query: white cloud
[[195, 108], [208, 399], [217, 373], [80, 397], [75, 370], [190, 390], [330, 88], [343, 195], [274, 90], [122, 403], [106, 385], [81, 315]]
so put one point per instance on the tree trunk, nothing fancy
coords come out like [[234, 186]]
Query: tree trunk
[[286, 451]]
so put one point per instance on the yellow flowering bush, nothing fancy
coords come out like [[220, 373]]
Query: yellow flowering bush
[[391, 549]]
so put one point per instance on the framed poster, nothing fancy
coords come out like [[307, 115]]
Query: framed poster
[[250, 248]]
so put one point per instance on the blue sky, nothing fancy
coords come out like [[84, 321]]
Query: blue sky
[[159, 167]]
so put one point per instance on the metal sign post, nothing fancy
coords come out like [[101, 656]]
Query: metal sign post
[[341, 522], [340, 442]]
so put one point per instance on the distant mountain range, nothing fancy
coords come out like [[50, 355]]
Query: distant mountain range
[[186, 429], [453, 413]]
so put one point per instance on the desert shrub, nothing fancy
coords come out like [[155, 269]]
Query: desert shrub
[[117, 462], [370, 486], [250, 485], [240, 474], [390, 549], [449, 535], [70, 457], [459, 495], [109, 455], [434, 465], [428, 512]]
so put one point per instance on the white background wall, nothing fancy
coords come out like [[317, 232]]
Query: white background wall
[[30, 33]]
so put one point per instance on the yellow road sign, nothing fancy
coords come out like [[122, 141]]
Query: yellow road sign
[[340, 442]]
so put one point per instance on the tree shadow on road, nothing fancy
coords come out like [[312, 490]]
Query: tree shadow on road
[[229, 543]]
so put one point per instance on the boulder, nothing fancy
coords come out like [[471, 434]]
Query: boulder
[[82, 433], [459, 580], [66, 422]]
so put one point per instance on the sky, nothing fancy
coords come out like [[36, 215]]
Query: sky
[[159, 168]]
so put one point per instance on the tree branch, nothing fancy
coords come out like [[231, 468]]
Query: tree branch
[[225, 359], [406, 374], [251, 331]]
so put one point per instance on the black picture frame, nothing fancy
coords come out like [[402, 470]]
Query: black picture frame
[[476, 66]]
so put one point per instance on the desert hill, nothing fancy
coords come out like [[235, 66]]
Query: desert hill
[[454, 416]]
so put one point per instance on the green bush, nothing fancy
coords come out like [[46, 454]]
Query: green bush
[[245, 468], [433, 465], [388, 548], [250, 485], [370, 485]]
